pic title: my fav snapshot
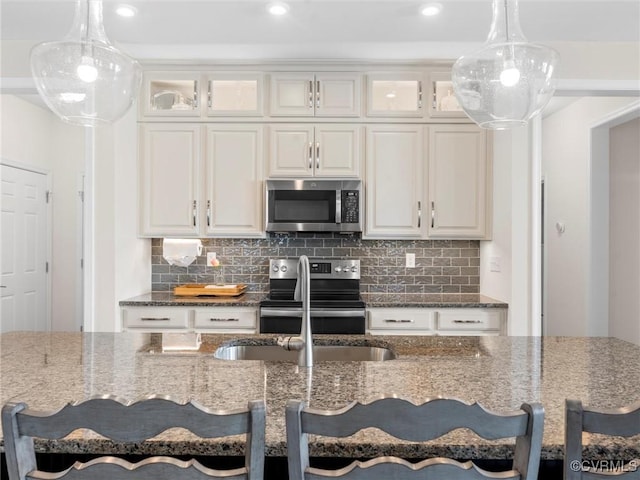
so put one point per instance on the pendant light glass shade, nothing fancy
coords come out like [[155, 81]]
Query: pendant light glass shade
[[83, 78], [508, 81]]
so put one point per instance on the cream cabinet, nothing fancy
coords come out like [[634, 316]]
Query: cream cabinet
[[459, 177], [471, 321], [304, 94], [401, 321], [233, 180], [395, 94], [241, 320], [170, 94], [443, 103], [436, 321], [192, 186], [155, 318], [394, 181], [231, 94], [188, 95], [169, 172], [323, 150]]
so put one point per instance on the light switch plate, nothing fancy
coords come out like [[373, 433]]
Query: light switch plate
[[410, 260]]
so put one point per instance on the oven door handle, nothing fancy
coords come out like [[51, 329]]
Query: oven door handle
[[315, 312]]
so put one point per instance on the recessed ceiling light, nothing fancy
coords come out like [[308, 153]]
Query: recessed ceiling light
[[277, 8], [431, 9], [126, 10]]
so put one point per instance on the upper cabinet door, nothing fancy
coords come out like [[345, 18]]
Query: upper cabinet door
[[395, 94], [308, 95], [292, 94], [169, 173], [291, 150], [338, 150], [442, 102], [394, 187], [338, 94], [459, 182], [170, 94], [234, 180], [235, 94]]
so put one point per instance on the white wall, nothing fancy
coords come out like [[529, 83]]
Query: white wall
[[566, 169], [122, 261], [624, 231], [511, 229], [33, 137], [68, 162], [26, 133], [133, 261]]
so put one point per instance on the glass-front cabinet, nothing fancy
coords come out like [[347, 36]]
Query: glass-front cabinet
[[234, 94], [395, 94], [173, 94], [195, 94], [443, 103]]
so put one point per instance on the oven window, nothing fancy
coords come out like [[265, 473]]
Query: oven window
[[295, 206]]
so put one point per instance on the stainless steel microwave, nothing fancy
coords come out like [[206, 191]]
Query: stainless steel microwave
[[314, 206]]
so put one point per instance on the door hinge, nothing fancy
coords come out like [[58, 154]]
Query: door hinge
[[46, 267], [82, 263], [48, 195]]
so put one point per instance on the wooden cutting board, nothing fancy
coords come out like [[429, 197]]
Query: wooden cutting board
[[197, 289]]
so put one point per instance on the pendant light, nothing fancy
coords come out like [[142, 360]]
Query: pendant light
[[83, 78], [508, 81]]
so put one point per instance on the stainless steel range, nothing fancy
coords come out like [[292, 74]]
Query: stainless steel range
[[336, 305]]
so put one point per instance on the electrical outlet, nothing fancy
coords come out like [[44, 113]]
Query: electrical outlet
[[410, 260], [494, 264], [211, 256]]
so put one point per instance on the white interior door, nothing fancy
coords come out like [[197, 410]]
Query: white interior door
[[23, 251]]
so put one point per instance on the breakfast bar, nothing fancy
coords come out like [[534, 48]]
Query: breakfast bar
[[48, 370]]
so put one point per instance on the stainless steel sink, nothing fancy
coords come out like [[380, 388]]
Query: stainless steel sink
[[321, 353]]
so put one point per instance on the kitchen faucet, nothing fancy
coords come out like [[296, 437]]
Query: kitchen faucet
[[302, 343]]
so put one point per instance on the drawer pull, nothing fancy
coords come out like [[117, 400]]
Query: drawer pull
[[154, 319], [467, 321], [224, 319], [394, 320]]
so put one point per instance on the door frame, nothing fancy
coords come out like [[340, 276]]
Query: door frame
[[597, 295], [49, 226]]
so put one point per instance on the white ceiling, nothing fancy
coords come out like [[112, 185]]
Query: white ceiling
[[320, 29]]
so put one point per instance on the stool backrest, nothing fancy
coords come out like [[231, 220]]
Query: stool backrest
[[418, 423], [135, 422], [622, 422]]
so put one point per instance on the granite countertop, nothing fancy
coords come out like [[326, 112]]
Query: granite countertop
[[252, 299], [47, 370], [167, 299], [431, 300]]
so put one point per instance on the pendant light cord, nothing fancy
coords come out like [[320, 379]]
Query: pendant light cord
[[506, 19]]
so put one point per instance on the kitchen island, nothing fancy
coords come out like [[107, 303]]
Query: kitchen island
[[47, 370]]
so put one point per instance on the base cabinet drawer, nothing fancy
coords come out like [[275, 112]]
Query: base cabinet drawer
[[468, 320], [155, 318], [403, 321], [437, 321], [225, 319]]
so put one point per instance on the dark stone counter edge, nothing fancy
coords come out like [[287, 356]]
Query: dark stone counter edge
[[228, 447]]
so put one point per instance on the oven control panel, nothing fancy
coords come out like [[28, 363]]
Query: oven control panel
[[319, 268]]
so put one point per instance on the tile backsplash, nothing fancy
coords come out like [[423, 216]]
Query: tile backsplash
[[442, 266]]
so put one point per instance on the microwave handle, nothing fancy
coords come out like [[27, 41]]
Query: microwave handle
[[338, 206]]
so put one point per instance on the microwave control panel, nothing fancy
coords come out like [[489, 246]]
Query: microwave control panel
[[350, 206]]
